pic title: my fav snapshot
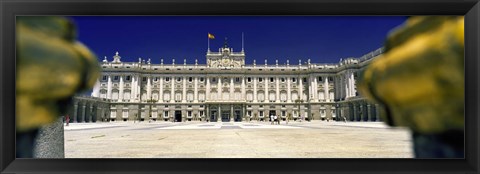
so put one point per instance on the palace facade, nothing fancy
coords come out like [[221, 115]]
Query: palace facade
[[226, 89]]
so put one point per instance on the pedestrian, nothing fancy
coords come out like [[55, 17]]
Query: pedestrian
[[275, 118], [67, 119]]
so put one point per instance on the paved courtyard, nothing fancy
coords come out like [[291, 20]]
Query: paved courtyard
[[316, 139]]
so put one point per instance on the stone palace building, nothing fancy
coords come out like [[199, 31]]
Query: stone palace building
[[225, 89]]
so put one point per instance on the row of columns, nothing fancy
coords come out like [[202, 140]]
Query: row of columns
[[86, 112], [359, 111], [313, 88]]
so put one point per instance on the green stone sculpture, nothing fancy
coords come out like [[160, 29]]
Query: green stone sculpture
[[51, 67]]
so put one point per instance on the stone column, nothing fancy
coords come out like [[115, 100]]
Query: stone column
[[120, 92], [219, 88], [352, 84], [75, 111], [347, 86], [195, 91], [243, 89], [207, 93], [82, 119], [277, 90], [160, 93], [133, 90], [254, 89], [289, 91], [89, 116], [184, 89], [139, 89], [315, 88], [207, 113], [231, 112], [243, 113], [267, 98], [300, 88], [219, 115], [326, 88], [231, 89], [355, 112], [109, 87], [377, 113], [369, 112], [149, 87], [172, 91]]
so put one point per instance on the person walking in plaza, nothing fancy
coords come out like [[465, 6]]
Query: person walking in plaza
[[67, 119]]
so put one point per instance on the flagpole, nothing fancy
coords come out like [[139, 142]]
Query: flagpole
[[208, 43], [242, 41]]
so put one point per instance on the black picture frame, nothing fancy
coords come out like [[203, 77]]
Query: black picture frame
[[9, 9]]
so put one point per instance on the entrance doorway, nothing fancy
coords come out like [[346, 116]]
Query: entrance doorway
[[237, 116], [178, 116], [271, 112], [213, 116], [225, 116]]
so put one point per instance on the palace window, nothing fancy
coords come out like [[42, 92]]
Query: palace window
[[144, 79], [304, 80], [189, 113], [319, 79], [190, 79], [115, 78], [294, 79], [237, 79], [330, 79], [201, 113], [166, 106], [249, 79], [155, 79], [167, 79], [214, 79], [104, 78], [128, 78], [260, 79], [284, 113], [261, 113], [179, 79], [165, 114], [283, 79], [201, 79], [271, 79]]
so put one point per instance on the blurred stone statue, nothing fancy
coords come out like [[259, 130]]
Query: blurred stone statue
[[51, 67], [420, 82]]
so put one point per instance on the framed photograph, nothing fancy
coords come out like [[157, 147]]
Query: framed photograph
[[114, 106]]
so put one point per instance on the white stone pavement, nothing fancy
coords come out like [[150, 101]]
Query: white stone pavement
[[316, 139]]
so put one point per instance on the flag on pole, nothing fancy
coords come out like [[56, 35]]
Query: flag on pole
[[211, 36]]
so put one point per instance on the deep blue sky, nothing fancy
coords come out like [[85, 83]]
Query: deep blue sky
[[324, 39]]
